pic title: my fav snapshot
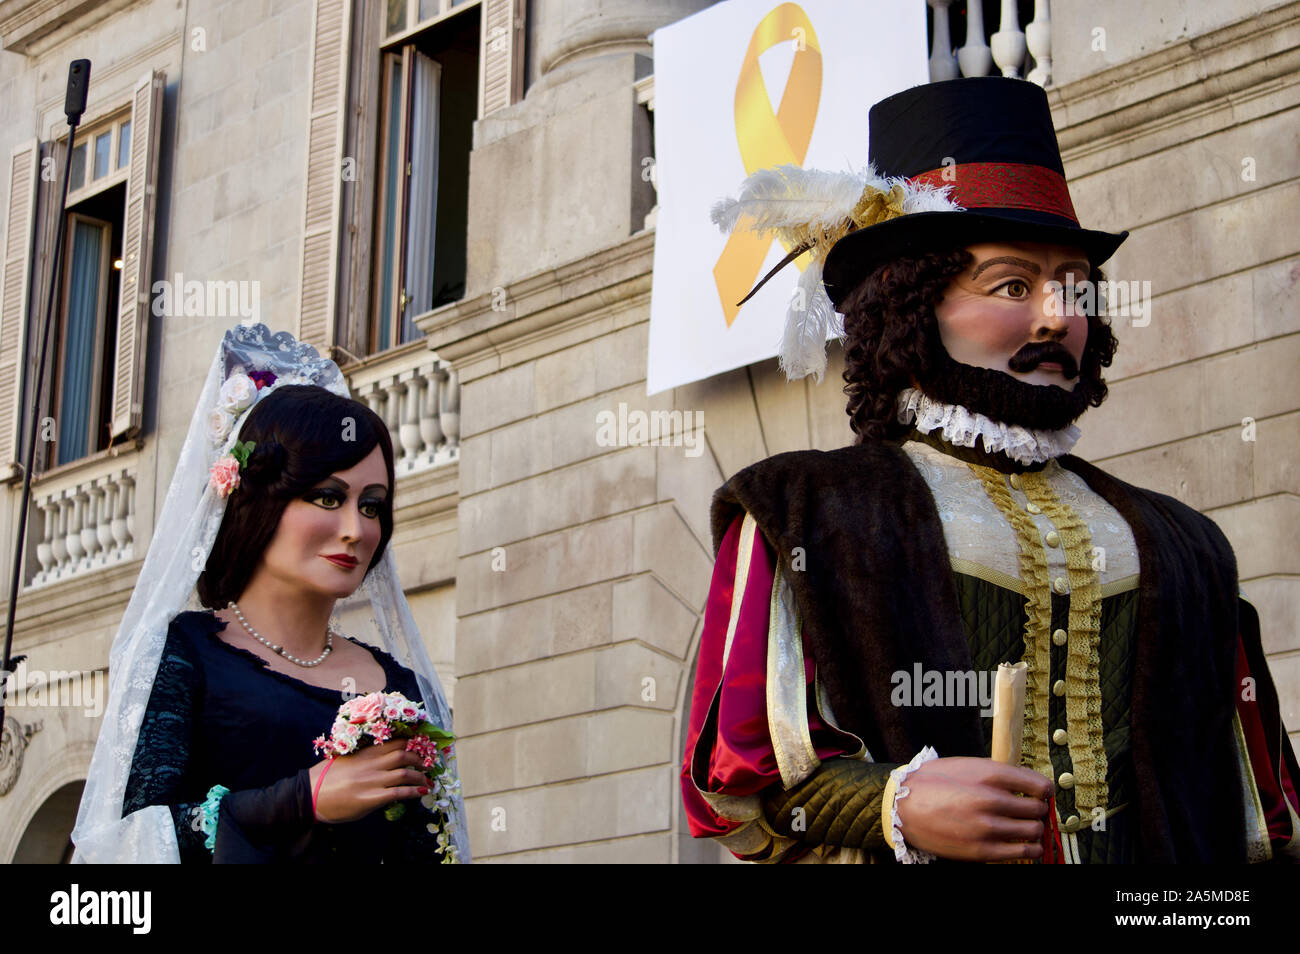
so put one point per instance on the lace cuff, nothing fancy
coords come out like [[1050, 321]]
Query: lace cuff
[[893, 825]]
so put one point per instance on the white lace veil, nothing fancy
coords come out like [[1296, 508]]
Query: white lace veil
[[182, 539]]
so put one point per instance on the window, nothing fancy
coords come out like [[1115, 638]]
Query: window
[[85, 320], [395, 90], [94, 378], [428, 103]]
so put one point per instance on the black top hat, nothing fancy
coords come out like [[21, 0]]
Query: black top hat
[[991, 139]]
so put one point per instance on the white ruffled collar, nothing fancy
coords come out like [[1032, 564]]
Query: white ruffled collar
[[961, 426]]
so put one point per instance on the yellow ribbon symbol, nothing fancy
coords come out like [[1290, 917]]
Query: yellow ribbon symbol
[[770, 137]]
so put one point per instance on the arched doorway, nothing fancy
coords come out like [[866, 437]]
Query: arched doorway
[[48, 838]]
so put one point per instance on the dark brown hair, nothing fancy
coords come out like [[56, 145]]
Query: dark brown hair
[[891, 335], [303, 434]]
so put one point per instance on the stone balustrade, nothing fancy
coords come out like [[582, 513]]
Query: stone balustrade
[[417, 395]]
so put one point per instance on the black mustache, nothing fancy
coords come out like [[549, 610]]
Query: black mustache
[[1035, 353]]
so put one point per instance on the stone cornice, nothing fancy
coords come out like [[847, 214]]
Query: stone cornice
[[1124, 101], [30, 26], [478, 338]]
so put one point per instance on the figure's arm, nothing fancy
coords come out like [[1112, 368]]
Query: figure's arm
[[765, 806], [160, 766], [1268, 761]]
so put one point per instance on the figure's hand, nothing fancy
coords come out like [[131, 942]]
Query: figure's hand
[[968, 809], [363, 781]]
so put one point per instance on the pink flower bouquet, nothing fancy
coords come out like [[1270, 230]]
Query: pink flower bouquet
[[382, 716]]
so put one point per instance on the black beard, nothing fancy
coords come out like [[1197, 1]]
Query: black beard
[[997, 395]]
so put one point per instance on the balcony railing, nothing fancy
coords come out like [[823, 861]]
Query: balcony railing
[[1009, 48], [83, 524], [417, 395]]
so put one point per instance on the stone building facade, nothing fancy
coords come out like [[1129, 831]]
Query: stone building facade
[[559, 582]]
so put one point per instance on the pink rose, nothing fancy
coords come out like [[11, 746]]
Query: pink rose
[[366, 708], [410, 711], [224, 475], [342, 746], [392, 711]]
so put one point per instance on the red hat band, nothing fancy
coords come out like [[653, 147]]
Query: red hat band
[[1004, 185]]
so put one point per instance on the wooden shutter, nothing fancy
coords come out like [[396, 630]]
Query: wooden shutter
[[15, 295], [326, 113], [501, 55], [137, 255]]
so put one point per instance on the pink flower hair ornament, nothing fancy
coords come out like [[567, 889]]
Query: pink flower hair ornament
[[224, 474], [239, 393]]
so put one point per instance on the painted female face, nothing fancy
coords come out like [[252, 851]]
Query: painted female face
[[1011, 311], [339, 517]]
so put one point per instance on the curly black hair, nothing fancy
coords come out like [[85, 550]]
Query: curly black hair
[[891, 337], [302, 433]]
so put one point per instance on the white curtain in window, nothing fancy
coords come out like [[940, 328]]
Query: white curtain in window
[[423, 194], [85, 312]]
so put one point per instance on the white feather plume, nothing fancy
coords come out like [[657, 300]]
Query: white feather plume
[[808, 321], [789, 197], [787, 200]]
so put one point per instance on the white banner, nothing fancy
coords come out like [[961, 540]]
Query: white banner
[[741, 86]]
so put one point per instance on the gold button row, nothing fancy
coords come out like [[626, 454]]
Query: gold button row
[[1061, 585], [1059, 637]]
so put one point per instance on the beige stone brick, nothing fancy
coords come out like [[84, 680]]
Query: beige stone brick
[[565, 377], [629, 738], [1209, 470], [645, 611], [1189, 323], [643, 850], [608, 484], [534, 629], [1258, 382], [1212, 241], [828, 417], [629, 674], [486, 762], [1277, 455], [690, 483], [565, 749], [665, 546], [1275, 292], [550, 752], [476, 462], [620, 357], [1286, 679], [1209, 170], [573, 430], [1192, 398], [608, 806], [1263, 534], [1277, 600], [519, 695], [782, 408], [497, 399], [731, 418], [570, 558]]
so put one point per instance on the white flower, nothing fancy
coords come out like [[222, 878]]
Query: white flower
[[220, 421], [238, 392]]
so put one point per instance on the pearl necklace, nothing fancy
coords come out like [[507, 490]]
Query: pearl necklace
[[279, 650]]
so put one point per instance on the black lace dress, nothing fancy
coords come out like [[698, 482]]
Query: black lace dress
[[218, 715]]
